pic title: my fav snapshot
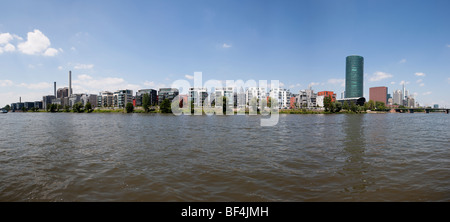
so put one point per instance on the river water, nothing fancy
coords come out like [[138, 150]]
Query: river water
[[158, 157]]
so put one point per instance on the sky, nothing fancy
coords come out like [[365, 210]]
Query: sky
[[132, 44]]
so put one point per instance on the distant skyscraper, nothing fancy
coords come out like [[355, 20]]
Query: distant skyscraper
[[397, 98], [354, 76], [70, 83]]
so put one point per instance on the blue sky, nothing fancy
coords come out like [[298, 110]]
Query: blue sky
[[110, 45]]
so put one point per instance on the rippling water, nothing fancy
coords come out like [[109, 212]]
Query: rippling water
[[156, 157]]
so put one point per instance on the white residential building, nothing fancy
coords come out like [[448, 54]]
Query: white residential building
[[259, 93], [283, 96]]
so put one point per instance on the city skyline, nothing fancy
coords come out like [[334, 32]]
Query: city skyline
[[150, 44]]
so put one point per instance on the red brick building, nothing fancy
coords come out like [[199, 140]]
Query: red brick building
[[378, 94], [328, 94]]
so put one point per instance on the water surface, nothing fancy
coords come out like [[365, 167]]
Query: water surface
[[157, 157]]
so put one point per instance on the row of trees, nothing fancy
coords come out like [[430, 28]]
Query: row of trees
[[77, 108], [335, 107]]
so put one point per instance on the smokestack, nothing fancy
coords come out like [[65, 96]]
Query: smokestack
[[54, 89], [20, 99], [70, 83]]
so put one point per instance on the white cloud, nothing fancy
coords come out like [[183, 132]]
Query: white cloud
[[51, 52], [5, 46], [448, 45], [377, 76], [403, 82], [84, 77], [5, 38], [6, 83], [189, 77], [419, 81], [9, 48], [341, 82], [73, 48], [448, 80], [41, 85], [84, 66], [419, 74], [426, 93], [421, 84], [402, 61], [313, 84], [225, 45], [60, 68], [88, 84], [392, 83], [294, 85], [37, 44]]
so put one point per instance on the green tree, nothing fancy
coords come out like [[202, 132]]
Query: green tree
[[327, 104], [371, 105], [52, 108], [345, 106], [146, 102], [66, 108], [78, 107], [224, 104], [380, 105], [7, 108], [353, 107], [88, 107], [165, 106], [129, 107], [338, 107]]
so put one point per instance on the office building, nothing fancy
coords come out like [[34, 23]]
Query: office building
[[105, 99], [354, 76], [122, 97], [47, 100], [151, 93], [167, 93], [197, 96], [379, 94], [397, 98]]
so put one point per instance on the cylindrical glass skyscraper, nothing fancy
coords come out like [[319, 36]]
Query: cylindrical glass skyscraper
[[354, 76]]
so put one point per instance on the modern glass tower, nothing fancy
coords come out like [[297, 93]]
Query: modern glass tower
[[354, 76]]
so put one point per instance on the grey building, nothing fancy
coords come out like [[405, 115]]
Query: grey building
[[47, 100], [152, 94], [167, 93], [38, 104], [122, 97]]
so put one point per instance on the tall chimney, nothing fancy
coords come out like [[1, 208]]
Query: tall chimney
[[20, 99], [54, 89], [70, 83]]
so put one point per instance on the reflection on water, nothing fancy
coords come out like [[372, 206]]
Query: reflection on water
[[155, 157], [355, 168]]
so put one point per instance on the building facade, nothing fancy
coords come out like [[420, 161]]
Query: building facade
[[151, 93], [167, 93], [257, 93], [197, 95], [379, 94], [354, 76], [328, 94], [283, 97], [122, 97]]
